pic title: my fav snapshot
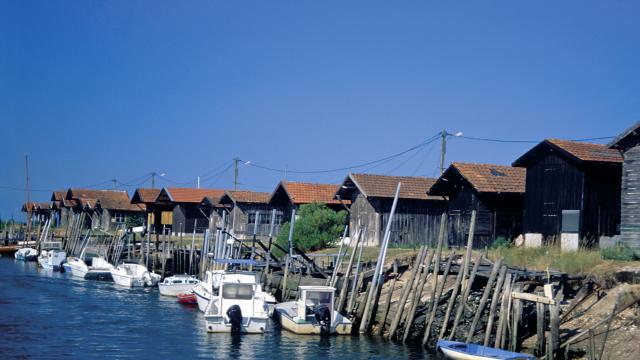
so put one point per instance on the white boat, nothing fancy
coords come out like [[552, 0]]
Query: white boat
[[26, 254], [236, 308], [210, 286], [52, 256], [132, 275], [456, 350], [94, 268], [174, 285], [313, 313]]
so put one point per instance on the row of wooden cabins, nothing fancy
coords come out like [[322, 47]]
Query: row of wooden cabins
[[564, 192]]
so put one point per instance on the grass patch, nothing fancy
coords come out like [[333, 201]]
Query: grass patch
[[620, 253], [550, 258]]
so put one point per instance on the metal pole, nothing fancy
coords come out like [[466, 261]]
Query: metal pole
[[253, 241], [443, 150], [235, 173]]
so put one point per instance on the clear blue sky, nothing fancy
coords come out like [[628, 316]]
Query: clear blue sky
[[96, 90]]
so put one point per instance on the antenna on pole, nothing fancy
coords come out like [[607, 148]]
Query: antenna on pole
[[26, 167], [443, 150], [236, 160], [153, 179]]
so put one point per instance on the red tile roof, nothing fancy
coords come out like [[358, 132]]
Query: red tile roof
[[306, 193], [145, 195], [384, 186], [587, 151], [493, 178], [251, 197], [191, 195], [107, 199]]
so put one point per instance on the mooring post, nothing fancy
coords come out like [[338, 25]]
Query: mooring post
[[416, 296], [405, 292], [436, 300], [485, 297], [494, 304], [465, 295], [540, 326]]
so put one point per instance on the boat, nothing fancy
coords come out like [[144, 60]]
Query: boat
[[467, 351], [26, 254], [208, 287], [312, 313], [236, 308], [188, 298], [177, 284], [52, 256], [90, 268], [134, 275]]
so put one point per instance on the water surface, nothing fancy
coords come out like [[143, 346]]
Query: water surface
[[50, 315]]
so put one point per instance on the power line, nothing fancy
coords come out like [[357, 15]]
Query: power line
[[523, 141], [429, 140], [15, 188]]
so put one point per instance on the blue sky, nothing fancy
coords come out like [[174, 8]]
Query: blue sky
[[96, 90]]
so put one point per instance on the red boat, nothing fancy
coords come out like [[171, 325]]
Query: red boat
[[187, 298]]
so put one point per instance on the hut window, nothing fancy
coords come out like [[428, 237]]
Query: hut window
[[118, 218], [265, 218]]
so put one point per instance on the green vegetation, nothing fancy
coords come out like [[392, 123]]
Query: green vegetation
[[317, 227], [620, 252], [133, 221], [501, 242]]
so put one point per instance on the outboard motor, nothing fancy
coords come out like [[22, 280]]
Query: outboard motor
[[323, 316], [235, 318]]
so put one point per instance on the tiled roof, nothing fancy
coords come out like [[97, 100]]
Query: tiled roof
[[587, 151], [191, 195], [145, 195], [252, 197], [627, 138], [384, 186], [107, 199], [306, 193], [493, 178], [58, 195]]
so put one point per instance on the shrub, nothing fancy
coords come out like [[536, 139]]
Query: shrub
[[501, 242], [316, 227], [618, 252]]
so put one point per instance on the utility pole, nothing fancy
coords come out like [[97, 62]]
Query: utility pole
[[115, 184], [443, 150], [153, 180], [236, 160]]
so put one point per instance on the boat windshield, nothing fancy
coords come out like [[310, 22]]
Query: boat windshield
[[315, 298], [237, 291]]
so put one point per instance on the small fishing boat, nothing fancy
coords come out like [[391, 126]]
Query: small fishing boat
[[174, 285], [205, 289], [466, 351], [236, 308], [52, 256], [26, 254], [90, 268], [313, 313], [133, 275], [188, 298]]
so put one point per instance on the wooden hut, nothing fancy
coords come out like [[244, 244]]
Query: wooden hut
[[59, 212], [243, 207], [628, 142], [105, 209], [290, 195], [178, 210], [496, 192], [572, 193], [146, 197], [417, 215]]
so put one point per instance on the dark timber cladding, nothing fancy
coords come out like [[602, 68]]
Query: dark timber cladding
[[105, 209], [244, 207], [179, 209], [496, 192], [417, 215], [629, 143], [567, 175]]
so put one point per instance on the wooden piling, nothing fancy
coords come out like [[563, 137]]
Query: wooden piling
[[436, 300], [465, 295], [504, 313], [554, 329], [485, 297], [387, 303], [452, 300], [416, 296], [494, 304], [345, 278], [405, 292], [540, 326], [515, 320]]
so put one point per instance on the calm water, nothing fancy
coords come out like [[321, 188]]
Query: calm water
[[49, 315]]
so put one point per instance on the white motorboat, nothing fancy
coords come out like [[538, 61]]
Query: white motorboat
[[52, 256], [210, 286], [236, 308], [313, 313], [132, 275], [93, 268], [177, 284], [26, 254]]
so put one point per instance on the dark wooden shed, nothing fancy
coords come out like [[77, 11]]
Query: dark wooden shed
[[105, 209], [628, 142], [289, 195], [243, 207], [496, 192], [371, 196], [179, 210], [571, 187]]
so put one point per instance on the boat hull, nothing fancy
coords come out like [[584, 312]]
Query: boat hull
[[174, 290], [462, 351], [308, 328], [252, 325], [202, 297]]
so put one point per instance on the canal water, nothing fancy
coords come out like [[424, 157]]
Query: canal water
[[48, 315]]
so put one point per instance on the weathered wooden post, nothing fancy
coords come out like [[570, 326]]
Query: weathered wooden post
[[253, 240], [405, 292], [485, 297], [417, 295], [465, 295], [494, 304], [288, 257], [347, 273], [271, 228]]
